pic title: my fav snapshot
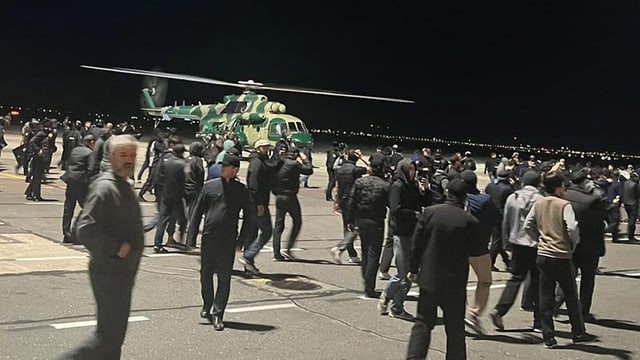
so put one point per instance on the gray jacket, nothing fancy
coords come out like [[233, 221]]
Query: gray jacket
[[111, 216], [515, 212]]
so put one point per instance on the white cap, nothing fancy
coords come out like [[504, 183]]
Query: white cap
[[261, 142]]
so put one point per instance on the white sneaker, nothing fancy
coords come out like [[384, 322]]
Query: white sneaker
[[384, 275], [354, 260]]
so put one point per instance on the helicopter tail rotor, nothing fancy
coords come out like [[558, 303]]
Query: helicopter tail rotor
[[154, 92]]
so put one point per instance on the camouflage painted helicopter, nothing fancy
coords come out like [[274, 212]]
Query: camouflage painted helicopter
[[249, 115]]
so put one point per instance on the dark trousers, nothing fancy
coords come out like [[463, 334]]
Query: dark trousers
[[72, 195], [113, 303], [349, 237], [561, 271], [26, 161], [524, 262], [191, 197], [286, 204], [220, 261], [331, 184], [588, 264], [148, 183], [496, 247], [36, 174], [632, 214], [452, 304], [64, 157], [613, 215], [171, 210], [47, 160], [263, 224], [387, 251], [371, 236], [529, 294], [144, 167]]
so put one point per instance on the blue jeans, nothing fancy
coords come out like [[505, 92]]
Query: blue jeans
[[266, 230], [398, 286], [286, 203]]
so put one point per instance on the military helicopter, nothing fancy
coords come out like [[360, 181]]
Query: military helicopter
[[249, 115]]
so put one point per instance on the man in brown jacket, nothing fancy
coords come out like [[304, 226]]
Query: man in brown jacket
[[553, 222]]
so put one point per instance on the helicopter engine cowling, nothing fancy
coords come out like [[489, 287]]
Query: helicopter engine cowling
[[275, 107]]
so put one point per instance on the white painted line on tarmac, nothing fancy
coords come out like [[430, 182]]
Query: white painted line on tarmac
[[268, 249], [45, 203], [496, 286], [260, 308], [61, 203], [164, 255], [77, 324], [52, 258]]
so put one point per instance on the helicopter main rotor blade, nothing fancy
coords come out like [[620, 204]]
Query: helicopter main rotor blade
[[164, 75], [335, 93], [243, 86]]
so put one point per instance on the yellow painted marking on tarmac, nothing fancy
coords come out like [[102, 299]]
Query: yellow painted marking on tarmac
[[12, 176], [23, 253]]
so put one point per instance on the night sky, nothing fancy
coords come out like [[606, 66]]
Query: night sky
[[565, 74]]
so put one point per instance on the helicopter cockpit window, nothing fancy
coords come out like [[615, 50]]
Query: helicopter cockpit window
[[292, 127], [234, 107], [301, 127]]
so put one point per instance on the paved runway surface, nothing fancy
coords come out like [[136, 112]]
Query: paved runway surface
[[307, 309]]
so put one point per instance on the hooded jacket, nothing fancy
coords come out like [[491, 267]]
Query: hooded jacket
[[516, 209], [228, 144], [405, 201]]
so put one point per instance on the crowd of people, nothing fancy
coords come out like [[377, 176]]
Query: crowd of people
[[545, 219]]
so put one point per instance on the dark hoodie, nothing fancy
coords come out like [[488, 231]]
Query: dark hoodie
[[405, 201]]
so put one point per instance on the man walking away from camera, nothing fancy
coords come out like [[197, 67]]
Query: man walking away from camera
[[553, 222], [438, 263]]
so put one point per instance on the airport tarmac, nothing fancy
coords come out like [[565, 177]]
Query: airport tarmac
[[305, 309]]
